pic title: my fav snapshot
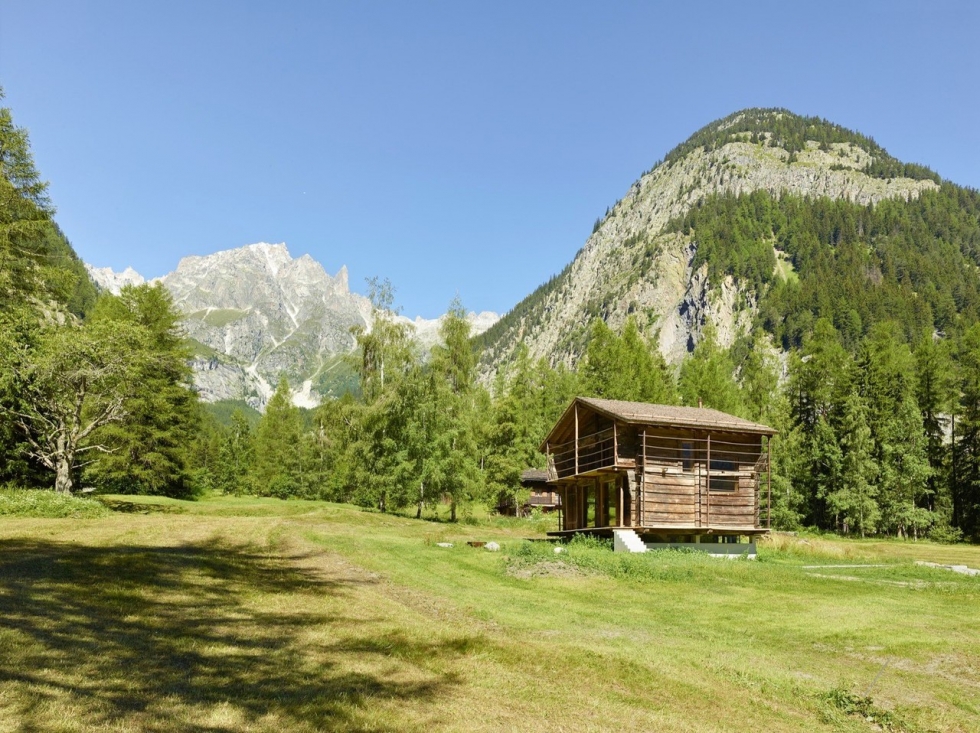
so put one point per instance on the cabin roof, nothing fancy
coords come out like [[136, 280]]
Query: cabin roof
[[645, 413], [534, 476]]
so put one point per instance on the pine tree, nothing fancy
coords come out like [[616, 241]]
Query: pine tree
[[454, 465], [603, 363], [888, 385], [965, 469], [854, 500], [517, 430], [236, 457], [149, 444], [338, 423], [935, 387], [625, 367], [707, 377], [384, 356], [278, 450], [644, 375], [821, 380]]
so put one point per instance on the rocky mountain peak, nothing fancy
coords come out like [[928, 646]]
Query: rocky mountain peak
[[632, 264], [106, 279], [255, 313]]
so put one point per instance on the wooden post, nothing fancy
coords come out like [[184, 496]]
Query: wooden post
[[769, 484], [621, 505], [641, 475], [600, 502], [615, 446], [707, 498], [576, 438]]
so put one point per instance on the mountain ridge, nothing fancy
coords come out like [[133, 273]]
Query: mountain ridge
[[255, 313], [634, 263]]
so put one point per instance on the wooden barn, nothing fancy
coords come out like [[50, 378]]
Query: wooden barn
[[671, 474]]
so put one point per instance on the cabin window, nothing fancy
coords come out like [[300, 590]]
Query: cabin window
[[687, 455], [724, 475]]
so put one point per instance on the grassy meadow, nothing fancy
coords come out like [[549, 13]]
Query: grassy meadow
[[239, 614]]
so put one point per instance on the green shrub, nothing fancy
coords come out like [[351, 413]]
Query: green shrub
[[945, 534], [45, 503], [841, 700]]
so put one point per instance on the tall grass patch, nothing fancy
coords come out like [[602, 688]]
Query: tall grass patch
[[46, 503], [595, 556]]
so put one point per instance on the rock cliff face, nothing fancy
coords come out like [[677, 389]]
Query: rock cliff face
[[106, 279], [263, 314], [631, 265], [255, 314]]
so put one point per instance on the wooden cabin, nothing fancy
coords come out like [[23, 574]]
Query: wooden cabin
[[542, 495], [672, 474]]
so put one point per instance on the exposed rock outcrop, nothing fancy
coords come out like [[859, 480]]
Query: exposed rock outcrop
[[255, 314], [631, 265]]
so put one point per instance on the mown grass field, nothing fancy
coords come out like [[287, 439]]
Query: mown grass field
[[262, 615]]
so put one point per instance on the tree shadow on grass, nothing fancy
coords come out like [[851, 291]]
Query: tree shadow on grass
[[200, 637]]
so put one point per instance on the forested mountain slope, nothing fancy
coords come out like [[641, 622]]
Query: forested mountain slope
[[764, 218]]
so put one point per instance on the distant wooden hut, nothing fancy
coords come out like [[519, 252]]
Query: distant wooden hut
[[542, 495], [672, 474]]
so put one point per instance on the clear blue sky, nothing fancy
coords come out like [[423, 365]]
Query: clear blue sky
[[454, 147]]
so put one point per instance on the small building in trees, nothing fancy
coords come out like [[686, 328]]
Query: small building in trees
[[671, 474], [542, 495]]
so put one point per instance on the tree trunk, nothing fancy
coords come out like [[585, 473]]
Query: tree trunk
[[418, 514], [62, 480], [452, 511]]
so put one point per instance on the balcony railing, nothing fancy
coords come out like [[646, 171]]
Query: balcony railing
[[594, 451]]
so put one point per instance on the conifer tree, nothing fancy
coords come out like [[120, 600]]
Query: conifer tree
[[384, 356], [149, 444], [338, 422], [888, 385], [602, 363], [935, 388], [516, 432], [854, 499], [625, 367], [707, 376], [454, 465], [278, 448], [236, 457], [820, 382], [965, 469]]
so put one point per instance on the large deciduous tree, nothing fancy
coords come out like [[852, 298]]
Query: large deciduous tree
[[71, 382]]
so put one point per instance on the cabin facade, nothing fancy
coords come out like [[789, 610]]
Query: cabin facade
[[671, 474]]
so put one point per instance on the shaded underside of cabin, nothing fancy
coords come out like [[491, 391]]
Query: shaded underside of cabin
[[669, 473]]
